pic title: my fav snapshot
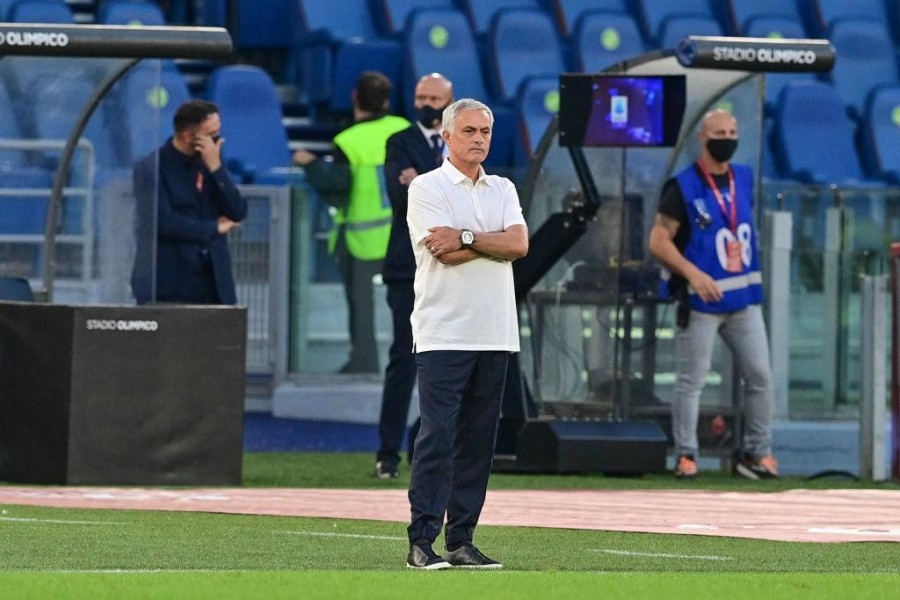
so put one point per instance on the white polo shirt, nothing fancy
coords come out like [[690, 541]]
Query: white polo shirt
[[471, 306]]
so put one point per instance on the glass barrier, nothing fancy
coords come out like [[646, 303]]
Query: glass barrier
[[99, 240]]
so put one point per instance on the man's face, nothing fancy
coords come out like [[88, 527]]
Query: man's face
[[210, 128], [719, 126], [471, 137], [433, 92]]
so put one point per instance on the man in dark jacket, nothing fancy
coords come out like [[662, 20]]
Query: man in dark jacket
[[415, 150], [196, 207]]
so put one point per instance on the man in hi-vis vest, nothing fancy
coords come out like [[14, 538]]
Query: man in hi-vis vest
[[705, 237], [354, 184]]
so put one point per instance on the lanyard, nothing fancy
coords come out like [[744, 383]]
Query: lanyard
[[732, 216]]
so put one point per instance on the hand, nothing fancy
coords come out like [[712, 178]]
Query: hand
[[442, 240], [209, 148], [407, 175], [303, 157], [705, 287], [226, 225]]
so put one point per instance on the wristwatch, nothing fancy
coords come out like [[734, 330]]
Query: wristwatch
[[467, 238]]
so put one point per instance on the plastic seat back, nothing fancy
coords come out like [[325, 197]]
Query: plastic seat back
[[522, 44], [866, 58], [603, 39], [131, 12]]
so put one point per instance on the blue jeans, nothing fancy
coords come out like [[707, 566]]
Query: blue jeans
[[744, 332], [459, 401]]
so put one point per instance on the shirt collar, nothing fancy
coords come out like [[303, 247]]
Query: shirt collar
[[456, 176], [429, 132]]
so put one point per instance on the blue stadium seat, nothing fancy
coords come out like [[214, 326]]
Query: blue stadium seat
[[394, 14], [130, 12], [603, 39], [19, 214], [268, 24], [336, 42], [149, 101], [676, 28], [40, 11], [522, 44], [741, 11], [813, 138], [881, 144], [653, 13], [822, 13], [536, 107], [442, 40], [256, 144], [567, 12], [776, 27], [866, 58], [480, 12]]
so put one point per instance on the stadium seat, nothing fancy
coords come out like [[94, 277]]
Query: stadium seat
[[603, 39], [130, 12], [336, 42], [442, 40], [881, 143], [822, 13], [256, 144], [16, 289], [40, 11], [394, 14], [480, 12], [567, 12], [742, 11], [814, 139], [866, 58], [676, 28], [268, 24], [536, 106], [151, 96], [653, 13], [522, 44], [776, 27], [19, 214]]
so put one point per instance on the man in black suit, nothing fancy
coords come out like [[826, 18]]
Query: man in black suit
[[415, 150], [196, 206]]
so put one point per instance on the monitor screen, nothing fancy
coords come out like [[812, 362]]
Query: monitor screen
[[620, 110]]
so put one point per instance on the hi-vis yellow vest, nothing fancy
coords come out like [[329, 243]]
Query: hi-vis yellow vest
[[366, 220]]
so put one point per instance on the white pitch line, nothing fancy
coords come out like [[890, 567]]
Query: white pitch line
[[58, 521], [131, 571], [662, 555], [357, 536]]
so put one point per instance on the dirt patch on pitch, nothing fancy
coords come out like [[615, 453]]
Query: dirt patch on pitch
[[796, 516]]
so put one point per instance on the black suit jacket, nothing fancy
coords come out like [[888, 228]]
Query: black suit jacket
[[407, 148], [184, 227]]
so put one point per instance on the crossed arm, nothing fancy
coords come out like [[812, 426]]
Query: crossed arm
[[445, 244]]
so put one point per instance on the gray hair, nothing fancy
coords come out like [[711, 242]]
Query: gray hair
[[451, 112]]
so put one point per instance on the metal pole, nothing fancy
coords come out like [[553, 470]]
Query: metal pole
[[873, 380], [62, 171], [779, 242]]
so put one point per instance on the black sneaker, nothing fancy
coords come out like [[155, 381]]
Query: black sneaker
[[470, 557], [387, 469], [765, 467], [422, 556]]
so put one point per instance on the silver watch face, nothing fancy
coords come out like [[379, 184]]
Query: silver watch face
[[467, 237]]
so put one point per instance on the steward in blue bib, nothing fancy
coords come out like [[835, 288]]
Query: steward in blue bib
[[722, 239]]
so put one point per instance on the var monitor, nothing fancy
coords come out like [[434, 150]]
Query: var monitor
[[620, 110]]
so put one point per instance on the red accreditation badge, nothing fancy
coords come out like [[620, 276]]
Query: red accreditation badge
[[733, 252]]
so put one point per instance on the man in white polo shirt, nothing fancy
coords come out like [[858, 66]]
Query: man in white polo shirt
[[466, 228]]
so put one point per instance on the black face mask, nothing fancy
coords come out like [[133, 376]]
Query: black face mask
[[722, 150], [427, 115]]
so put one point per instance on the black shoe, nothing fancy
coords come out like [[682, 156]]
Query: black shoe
[[765, 467], [387, 468], [422, 556], [470, 557]]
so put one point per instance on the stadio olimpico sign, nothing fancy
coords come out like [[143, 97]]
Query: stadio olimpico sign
[[756, 54]]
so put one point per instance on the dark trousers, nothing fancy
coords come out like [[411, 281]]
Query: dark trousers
[[459, 400], [357, 277], [400, 375]]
